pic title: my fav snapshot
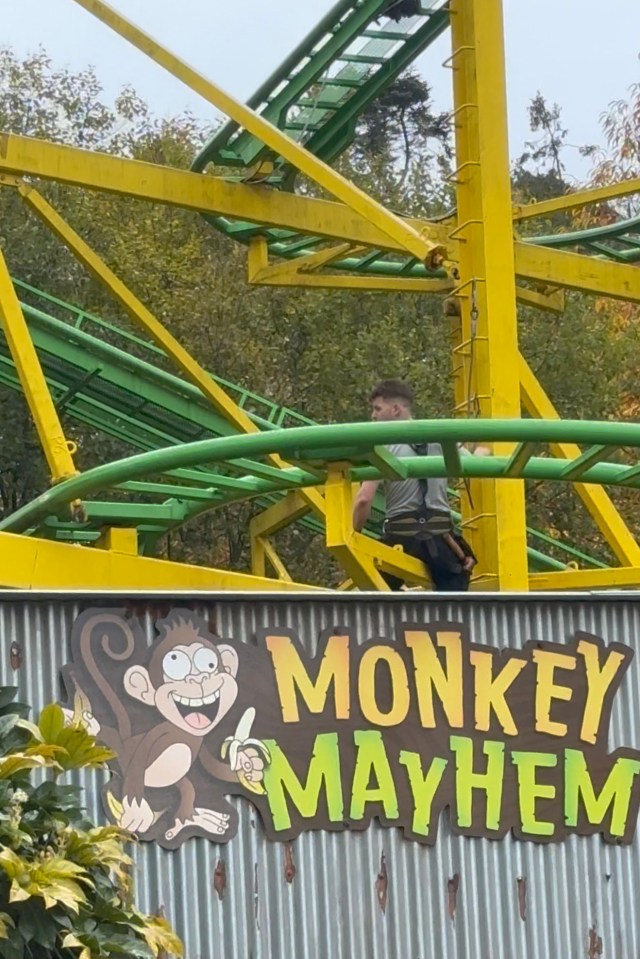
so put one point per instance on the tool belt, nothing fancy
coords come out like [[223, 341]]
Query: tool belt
[[423, 525], [443, 544]]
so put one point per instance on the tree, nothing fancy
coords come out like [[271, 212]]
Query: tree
[[65, 886]]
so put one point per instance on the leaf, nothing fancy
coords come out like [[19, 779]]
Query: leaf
[[12, 864], [6, 923], [72, 942], [11, 765], [81, 749], [31, 728], [58, 868], [66, 892], [7, 695], [161, 937], [34, 923], [12, 947], [7, 723], [127, 946], [51, 723], [17, 893]]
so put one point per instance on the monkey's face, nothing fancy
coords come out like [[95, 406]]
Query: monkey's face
[[197, 690]]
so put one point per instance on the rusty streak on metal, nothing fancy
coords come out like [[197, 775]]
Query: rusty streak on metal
[[220, 879], [382, 884], [289, 864], [453, 885], [16, 655], [595, 945], [522, 897]]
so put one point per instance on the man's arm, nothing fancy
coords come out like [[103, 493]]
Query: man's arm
[[363, 503]]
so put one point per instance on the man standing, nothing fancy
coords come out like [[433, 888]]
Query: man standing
[[417, 513]]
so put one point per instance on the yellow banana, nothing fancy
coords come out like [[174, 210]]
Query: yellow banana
[[239, 741], [254, 787], [115, 807]]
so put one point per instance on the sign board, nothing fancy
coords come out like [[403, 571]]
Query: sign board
[[406, 729]]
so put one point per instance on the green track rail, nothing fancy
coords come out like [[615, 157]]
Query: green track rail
[[316, 96], [318, 93], [310, 451], [96, 378]]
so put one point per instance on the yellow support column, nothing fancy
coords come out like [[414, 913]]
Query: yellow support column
[[339, 508], [57, 448], [486, 337]]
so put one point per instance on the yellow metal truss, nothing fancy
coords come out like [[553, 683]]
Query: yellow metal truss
[[479, 250]]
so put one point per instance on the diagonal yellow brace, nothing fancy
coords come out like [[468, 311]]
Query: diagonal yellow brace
[[606, 516], [272, 555], [270, 135], [137, 310], [572, 201], [140, 314], [54, 443]]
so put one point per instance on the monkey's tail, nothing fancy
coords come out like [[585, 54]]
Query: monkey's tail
[[86, 649]]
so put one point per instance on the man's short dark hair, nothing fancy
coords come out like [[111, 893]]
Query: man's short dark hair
[[392, 390]]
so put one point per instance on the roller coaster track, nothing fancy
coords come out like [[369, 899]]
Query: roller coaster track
[[316, 96], [112, 381]]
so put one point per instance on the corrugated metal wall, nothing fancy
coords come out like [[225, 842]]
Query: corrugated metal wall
[[319, 898]]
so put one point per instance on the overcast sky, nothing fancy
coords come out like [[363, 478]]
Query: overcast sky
[[580, 53]]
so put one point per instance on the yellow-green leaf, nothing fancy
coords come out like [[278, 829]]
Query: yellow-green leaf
[[51, 723], [66, 892], [17, 893], [160, 936], [6, 923], [72, 942]]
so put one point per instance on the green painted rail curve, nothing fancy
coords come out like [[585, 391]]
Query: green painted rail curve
[[107, 387], [315, 447]]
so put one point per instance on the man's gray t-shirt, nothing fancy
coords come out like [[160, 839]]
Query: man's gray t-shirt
[[405, 496]]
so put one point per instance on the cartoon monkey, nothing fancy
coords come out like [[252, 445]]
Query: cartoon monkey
[[190, 683]]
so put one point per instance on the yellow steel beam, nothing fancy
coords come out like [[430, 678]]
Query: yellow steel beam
[[270, 135], [27, 156], [29, 563], [289, 509], [573, 201], [276, 563], [57, 449], [550, 302], [96, 266], [221, 401], [340, 534], [391, 559], [587, 273], [620, 577], [206, 194], [485, 340], [595, 498], [301, 272]]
